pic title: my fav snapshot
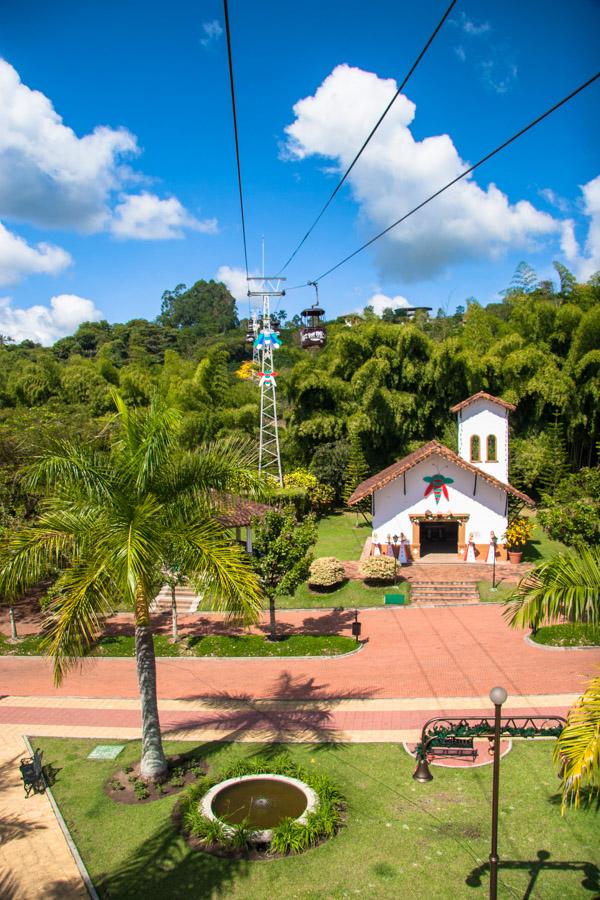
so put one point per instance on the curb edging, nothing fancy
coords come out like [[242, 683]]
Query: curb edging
[[67, 834], [579, 647]]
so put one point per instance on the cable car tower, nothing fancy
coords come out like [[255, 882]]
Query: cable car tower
[[269, 458]]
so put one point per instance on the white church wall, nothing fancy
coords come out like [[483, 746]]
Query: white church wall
[[483, 418], [486, 509]]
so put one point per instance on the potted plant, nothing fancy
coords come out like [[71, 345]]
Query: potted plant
[[517, 534]]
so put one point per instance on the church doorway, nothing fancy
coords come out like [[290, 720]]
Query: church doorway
[[439, 537]]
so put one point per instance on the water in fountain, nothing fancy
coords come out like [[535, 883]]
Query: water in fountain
[[262, 802]]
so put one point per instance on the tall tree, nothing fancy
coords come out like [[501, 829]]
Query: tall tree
[[356, 467], [207, 307], [111, 522], [282, 556]]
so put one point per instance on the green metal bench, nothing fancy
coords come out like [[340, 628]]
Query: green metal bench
[[32, 773]]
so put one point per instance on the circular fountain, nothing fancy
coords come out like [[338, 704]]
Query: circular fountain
[[262, 801]]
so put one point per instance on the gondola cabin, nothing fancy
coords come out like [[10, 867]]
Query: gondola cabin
[[313, 335]]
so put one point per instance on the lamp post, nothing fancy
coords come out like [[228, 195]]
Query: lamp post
[[498, 696], [395, 539], [494, 542]]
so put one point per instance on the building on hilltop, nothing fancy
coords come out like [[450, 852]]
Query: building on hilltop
[[441, 501]]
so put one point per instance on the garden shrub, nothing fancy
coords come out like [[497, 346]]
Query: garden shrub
[[378, 570], [295, 497], [289, 837], [571, 514], [320, 496], [326, 573]]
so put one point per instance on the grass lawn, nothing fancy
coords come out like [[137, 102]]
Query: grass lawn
[[502, 592], [256, 645], [402, 839], [570, 634], [352, 594], [27, 646], [211, 645], [540, 546], [339, 536]]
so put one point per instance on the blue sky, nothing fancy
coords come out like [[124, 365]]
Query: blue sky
[[117, 180]]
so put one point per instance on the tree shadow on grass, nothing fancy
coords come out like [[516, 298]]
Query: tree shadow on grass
[[165, 867], [534, 867], [297, 709]]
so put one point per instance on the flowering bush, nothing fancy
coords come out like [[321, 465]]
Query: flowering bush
[[320, 496], [518, 532], [301, 478], [379, 569], [326, 573]]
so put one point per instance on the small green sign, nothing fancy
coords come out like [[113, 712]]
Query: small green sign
[[394, 599], [106, 751]]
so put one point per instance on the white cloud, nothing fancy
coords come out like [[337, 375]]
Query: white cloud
[[586, 261], [52, 178], [554, 199], [212, 32], [397, 172], [235, 281], [48, 175], [470, 27], [499, 73], [148, 218], [44, 324], [19, 259], [460, 52], [380, 301]]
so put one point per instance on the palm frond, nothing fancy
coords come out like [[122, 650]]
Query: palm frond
[[29, 555], [69, 466], [577, 749], [85, 594], [566, 586], [219, 569], [227, 467], [148, 439]]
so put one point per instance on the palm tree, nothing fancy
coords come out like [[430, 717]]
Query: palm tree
[[112, 521], [566, 586], [577, 749]]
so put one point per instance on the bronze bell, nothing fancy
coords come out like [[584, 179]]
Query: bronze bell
[[422, 773]]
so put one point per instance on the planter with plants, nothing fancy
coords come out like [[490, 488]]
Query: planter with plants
[[517, 534], [289, 836]]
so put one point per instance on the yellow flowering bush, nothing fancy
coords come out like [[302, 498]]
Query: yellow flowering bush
[[518, 532]]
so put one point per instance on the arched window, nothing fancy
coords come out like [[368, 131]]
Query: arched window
[[492, 452], [475, 448]]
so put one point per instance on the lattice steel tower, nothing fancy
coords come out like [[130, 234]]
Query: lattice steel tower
[[269, 458]]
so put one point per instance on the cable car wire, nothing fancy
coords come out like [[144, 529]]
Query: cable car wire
[[371, 133], [454, 180], [235, 130]]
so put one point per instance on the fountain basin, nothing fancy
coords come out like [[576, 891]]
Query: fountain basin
[[261, 800]]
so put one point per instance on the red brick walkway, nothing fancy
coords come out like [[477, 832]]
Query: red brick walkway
[[427, 652]]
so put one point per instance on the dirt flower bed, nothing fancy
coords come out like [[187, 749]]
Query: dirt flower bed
[[127, 785]]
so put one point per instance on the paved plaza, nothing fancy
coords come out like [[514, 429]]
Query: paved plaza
[[415, 663]]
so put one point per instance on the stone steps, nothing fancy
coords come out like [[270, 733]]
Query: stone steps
[[186, 600], [444, 592]]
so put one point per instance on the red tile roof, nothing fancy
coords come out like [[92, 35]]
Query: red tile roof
[[376, 482], [482, 396], [235, 512]]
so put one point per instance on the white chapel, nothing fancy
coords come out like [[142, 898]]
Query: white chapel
[[441, 502]]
